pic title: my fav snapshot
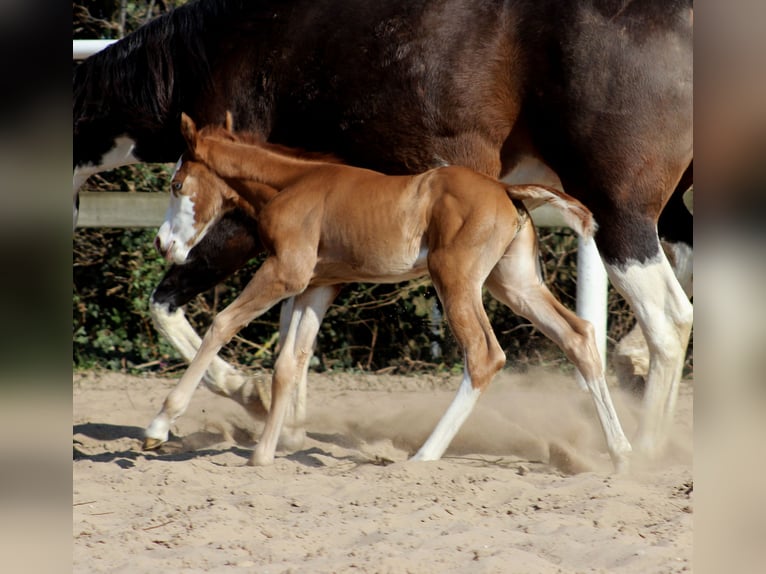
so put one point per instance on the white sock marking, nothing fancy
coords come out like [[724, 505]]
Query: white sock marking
[[451, 421], [665, 314]]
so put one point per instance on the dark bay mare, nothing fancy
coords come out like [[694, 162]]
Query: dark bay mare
[[597, 91]]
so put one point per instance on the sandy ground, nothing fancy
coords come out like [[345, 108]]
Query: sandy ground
[[525, 488]]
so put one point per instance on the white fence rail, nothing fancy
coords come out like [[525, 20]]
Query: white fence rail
[[81, 49], [115, 209], [122, 209]]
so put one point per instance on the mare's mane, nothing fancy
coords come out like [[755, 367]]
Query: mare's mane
[[149, 70]]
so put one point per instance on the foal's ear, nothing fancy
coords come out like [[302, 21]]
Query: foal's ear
[[229, 122], [189, 131]]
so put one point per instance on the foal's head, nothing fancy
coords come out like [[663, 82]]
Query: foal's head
[[198, 199]]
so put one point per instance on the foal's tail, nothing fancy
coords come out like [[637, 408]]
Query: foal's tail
[[575, 214]]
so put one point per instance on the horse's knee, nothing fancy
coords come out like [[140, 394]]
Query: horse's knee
[[169, 321], [482, 366], [665, 349], [667, 337], [160, 310], [292, 281], [222, 329], [161, 297], [496, 358], [581, 348]]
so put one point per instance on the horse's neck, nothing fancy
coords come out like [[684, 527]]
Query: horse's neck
[[253, 162], [253, 195]]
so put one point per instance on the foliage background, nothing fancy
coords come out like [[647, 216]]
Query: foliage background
[[371, 327]]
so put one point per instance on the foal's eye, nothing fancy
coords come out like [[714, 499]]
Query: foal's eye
[[176, 186]]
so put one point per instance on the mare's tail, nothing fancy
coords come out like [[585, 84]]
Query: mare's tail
[[575, 214]]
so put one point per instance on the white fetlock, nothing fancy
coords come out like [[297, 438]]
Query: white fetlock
[[156, 434], [621, 461], [261, 459]]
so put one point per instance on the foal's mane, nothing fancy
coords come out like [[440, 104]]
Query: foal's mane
[[255, 139]]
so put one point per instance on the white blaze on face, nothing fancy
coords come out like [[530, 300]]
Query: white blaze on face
[[177, 234]]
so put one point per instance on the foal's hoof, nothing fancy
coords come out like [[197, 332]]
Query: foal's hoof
[[622, 466], [260, 459], [152, 443], [292, 439]]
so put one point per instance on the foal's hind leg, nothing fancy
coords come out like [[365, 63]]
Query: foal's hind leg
[[460, 293], [307, 311], [516, 282], [270, 285]]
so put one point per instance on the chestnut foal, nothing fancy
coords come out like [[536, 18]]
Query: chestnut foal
[[326, 224]]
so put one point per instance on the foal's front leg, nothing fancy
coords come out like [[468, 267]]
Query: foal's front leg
[[308, 310], [228, 245], [265, 289]]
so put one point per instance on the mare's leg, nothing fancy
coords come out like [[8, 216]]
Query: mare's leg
[[664, 313], [675, 228], [517, 283], [224, 250], [631, 353], [458, 282], [616, 124], [308, 310], [271, 284], [639, 269]]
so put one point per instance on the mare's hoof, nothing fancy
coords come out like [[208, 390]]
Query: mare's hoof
[[152, 443]]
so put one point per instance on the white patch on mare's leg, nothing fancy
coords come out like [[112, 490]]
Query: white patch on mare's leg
[[665, 314], [120, 154], [221, 378], [631, 354], [451, 421]]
